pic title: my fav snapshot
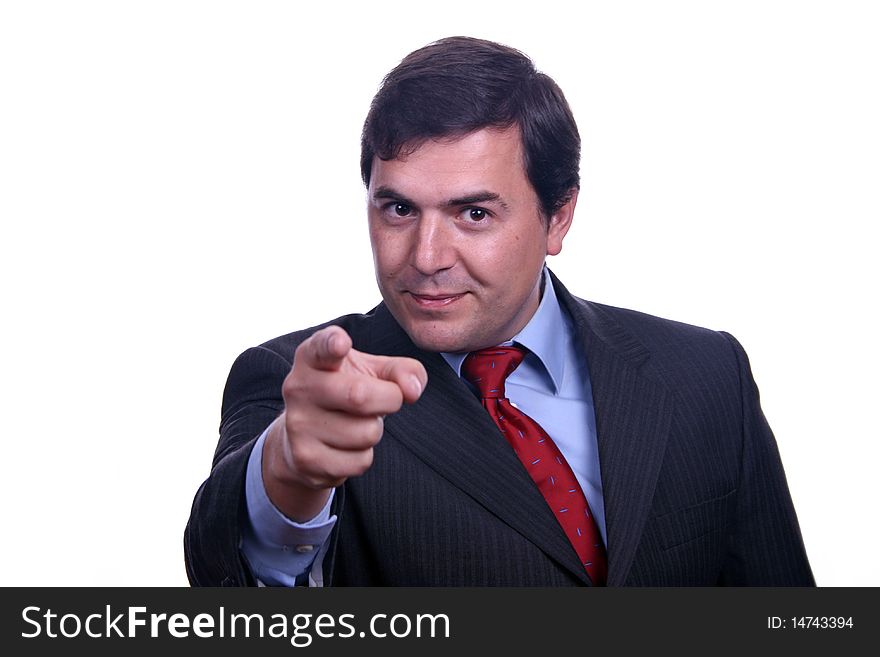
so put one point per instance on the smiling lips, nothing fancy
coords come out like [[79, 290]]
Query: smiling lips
[[434, 301]]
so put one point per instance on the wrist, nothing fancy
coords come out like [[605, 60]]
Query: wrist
[[296, 499]]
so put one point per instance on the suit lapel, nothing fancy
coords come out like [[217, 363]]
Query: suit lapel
[[450, 431], [633, 417]]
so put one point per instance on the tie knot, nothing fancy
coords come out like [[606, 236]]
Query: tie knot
[[487, 369]]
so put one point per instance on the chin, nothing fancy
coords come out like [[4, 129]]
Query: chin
[[448, 341], [433, 340], [427, 343]]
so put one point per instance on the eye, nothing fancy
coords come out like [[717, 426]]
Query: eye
[[402, 209], [398, 210], [475, 215]]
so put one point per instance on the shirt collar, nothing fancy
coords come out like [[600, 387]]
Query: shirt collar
[[541, 336]]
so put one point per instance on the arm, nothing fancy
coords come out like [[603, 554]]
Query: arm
[[766, 548], [281, 552], [251, 401], [324, 416]]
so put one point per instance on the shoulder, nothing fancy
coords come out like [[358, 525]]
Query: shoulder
[[257, 373], [677, 352], [679, 349], [634, 331], [661, 333], [706, 372]]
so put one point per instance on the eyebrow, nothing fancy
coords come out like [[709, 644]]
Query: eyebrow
[[391, 194], [477, 197], [384, 192]]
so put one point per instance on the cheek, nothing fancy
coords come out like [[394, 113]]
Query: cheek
[[389, 254], [510, 255], [490, 258], [514, 265]]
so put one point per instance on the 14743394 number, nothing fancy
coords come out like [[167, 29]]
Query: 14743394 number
[[809, 622]]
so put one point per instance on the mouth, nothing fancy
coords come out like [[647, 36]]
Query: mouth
[[434, 301]]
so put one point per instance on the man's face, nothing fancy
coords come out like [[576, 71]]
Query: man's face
[[459, 241]]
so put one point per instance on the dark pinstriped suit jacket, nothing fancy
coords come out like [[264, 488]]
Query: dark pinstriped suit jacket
[[694, 490]]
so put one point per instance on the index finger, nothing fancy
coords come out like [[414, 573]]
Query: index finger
[[325, 349]]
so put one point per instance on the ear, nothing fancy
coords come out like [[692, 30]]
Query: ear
[[560, 222]]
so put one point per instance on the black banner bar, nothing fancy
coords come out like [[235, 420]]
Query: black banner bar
[[434, 621]]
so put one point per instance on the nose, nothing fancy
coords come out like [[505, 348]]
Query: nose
[[433, 249]]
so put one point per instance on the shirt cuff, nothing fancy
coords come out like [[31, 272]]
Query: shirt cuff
[[278, 549]]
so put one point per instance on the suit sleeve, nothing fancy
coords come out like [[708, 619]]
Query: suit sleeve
[[765, 548], [251, 401]]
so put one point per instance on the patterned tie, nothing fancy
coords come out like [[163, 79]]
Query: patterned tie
[[487, 369]]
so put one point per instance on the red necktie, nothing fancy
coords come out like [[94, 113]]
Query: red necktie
[[487, 369]]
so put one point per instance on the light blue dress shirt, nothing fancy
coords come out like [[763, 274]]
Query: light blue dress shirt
[[551, 385]]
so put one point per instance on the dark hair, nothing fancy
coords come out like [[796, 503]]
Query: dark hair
[[458, 85]]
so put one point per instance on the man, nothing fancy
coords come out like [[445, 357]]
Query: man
[[482, 426]]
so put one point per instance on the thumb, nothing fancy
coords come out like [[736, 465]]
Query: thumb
[[408, 373]]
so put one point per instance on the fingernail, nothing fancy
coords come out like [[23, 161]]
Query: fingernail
[[416, 385], [331, 343]]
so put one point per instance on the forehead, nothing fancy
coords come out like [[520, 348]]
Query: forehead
[[486, 159]]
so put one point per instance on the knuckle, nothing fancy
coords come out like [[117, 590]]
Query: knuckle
[[358, 394], [303, 348], [373, 430], [293, 386], [396, 402], [304, 456], [365, 433], [295, 422], [362, 462]]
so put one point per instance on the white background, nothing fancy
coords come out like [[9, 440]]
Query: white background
[[179, 181]]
